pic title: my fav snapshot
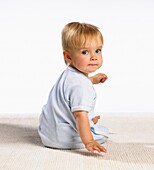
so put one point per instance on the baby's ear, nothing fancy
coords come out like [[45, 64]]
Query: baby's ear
[[67, 57]]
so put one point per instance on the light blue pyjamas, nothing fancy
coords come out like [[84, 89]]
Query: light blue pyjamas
[[73, 91]]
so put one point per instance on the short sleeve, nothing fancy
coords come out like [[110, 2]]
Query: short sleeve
[[82, 98]]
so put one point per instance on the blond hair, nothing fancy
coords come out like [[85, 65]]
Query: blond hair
[[75, 35]]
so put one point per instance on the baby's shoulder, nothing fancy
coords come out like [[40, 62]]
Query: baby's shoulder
[[77, 79]]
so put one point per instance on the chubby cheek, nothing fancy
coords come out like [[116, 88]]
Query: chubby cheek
[[81, 63], [100, 62]]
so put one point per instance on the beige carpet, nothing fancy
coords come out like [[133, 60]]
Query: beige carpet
[[130, 146]]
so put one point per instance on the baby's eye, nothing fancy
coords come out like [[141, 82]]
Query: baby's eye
[[98, 51], [84, 52]]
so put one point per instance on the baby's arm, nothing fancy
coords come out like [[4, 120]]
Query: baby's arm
[[83, 126]]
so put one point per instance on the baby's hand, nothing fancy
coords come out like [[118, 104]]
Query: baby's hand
[[99, 78], [95, 119], [94, 146]]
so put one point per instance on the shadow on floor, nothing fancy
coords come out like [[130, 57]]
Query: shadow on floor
[[123, 152], [17, 133]]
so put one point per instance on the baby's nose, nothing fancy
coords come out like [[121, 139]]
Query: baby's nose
[[93, 57]]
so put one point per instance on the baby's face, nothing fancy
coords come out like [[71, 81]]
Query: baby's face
[[89, 58]]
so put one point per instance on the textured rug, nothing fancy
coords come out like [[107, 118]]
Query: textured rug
[[130, 146]]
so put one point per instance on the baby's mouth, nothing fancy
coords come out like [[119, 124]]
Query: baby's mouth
[[92, 64]]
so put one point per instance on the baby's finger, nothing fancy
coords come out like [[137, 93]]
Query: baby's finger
[[105, 76], [103, 80], [90, 149], [102, 149], [96, 148]]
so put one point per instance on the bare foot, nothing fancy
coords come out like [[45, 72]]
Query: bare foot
[[95, 119]]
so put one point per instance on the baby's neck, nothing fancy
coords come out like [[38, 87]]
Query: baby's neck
[[86, 74]]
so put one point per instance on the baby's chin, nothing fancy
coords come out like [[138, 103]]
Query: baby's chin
[[93, 69]]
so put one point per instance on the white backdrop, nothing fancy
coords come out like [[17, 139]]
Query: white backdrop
[[31, 55]]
